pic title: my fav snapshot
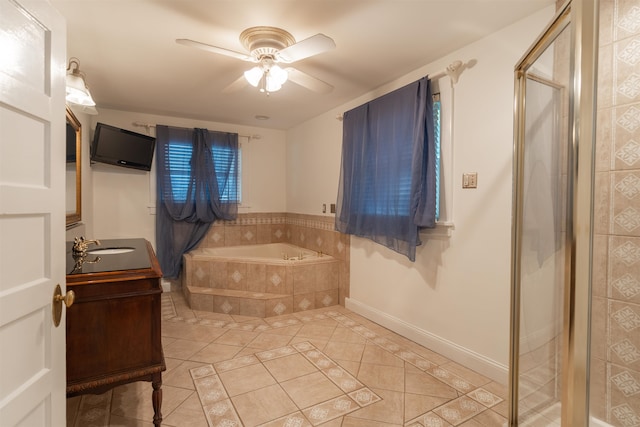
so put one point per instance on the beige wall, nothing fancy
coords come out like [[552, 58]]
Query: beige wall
[[615, 363], [123, 200], [455, 297]]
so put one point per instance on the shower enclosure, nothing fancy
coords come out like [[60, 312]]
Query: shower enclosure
[[552, 222]]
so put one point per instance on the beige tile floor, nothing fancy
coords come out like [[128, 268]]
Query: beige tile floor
[[328, 367]]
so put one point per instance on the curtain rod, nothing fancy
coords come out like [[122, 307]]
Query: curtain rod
[[453, 70], [149, 125]]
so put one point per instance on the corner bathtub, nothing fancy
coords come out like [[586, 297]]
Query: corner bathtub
[[260, 280], [266, 253]]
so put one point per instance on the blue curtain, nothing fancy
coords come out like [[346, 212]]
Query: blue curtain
[[197, 184], [387, 186]]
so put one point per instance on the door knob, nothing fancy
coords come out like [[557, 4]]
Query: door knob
[[58, 299]]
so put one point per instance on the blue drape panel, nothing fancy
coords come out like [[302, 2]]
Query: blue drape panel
[[387, 188], [190, 183]]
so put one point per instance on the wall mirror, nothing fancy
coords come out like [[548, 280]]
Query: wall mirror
[[73, 176]]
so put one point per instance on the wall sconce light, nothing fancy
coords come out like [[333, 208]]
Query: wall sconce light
[[77, 90]]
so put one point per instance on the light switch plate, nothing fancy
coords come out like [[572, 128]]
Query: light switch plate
[[470, 180]]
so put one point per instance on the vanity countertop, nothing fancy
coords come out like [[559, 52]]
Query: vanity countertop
[[140, 258]]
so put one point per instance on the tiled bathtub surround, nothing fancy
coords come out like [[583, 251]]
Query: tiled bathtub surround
[[271, 289], [308, 231], [266, 288], [615, 363]]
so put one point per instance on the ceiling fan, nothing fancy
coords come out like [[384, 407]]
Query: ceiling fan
[[267, 47]]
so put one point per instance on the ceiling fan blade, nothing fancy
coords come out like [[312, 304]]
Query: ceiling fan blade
[[216, 49], [306, 48], [240, 83], [305, 80]]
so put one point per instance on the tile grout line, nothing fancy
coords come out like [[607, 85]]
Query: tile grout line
[[401, 352], [353, 391]]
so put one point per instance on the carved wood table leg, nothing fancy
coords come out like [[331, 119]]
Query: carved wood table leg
[[157, 399]]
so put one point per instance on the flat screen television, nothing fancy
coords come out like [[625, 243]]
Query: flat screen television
[[122, 147]]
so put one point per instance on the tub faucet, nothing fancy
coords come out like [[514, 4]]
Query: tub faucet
[[80, 245]]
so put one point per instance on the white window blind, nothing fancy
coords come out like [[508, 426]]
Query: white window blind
[[178, 159]]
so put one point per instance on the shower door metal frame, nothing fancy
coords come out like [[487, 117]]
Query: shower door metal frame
[[582, 15]]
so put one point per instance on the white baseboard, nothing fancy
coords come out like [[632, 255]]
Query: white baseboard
[[166, 285], [453, 351]]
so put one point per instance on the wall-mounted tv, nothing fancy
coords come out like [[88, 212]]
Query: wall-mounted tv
[[121, 147]]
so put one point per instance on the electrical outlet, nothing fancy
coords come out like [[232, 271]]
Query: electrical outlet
[[324, 208], [333, 208], [470, 180]]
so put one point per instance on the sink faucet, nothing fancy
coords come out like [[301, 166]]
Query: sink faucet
[[80, 245]]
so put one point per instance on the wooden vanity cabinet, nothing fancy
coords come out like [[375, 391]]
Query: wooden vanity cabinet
[[114, 326]]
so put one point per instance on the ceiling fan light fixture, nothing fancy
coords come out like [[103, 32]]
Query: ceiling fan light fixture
[[269, 78], [270, 85], [274, 78], [278, 74], [266, 46], [254, 76]]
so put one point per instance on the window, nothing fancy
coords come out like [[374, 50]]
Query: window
[[400, 185], [387, 189], [392, 187], [226, 156], [397, 186], [197, 184], [178, 155]]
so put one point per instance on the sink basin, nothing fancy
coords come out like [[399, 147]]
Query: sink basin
[[110, 251]]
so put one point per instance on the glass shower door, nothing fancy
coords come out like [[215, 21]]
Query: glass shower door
[[553, 222], [540, 248]]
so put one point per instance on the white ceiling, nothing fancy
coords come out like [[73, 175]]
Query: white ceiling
[[128, 52]]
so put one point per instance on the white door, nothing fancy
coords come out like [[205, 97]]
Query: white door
[[32, 213]]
